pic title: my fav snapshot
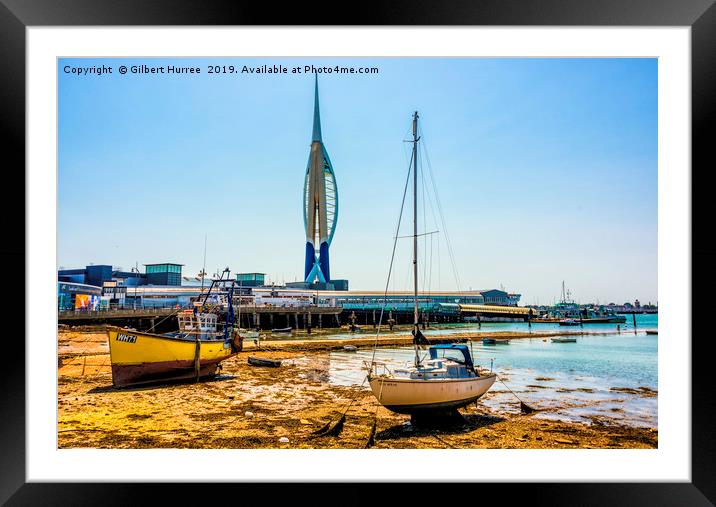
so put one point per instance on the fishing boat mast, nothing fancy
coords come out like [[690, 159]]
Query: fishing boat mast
[[416, 327]]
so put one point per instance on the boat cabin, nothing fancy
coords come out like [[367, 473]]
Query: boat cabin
[[454, 352], [203, 324], [446, 362]]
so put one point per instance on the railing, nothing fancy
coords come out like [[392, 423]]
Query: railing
[[125, 306], [144, 307]]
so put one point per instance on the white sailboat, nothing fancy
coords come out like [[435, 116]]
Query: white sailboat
[[444, 381]]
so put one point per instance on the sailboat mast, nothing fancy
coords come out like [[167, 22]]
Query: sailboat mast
[[415, 218], [416, 328]]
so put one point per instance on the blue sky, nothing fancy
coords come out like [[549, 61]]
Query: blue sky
[[546, 170]]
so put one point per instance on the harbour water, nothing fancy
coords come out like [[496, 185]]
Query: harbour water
[[607, 378]]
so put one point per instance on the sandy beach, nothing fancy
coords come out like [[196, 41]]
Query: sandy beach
[[258, 407]]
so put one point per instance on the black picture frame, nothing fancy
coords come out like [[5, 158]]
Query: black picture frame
[[17, 15]]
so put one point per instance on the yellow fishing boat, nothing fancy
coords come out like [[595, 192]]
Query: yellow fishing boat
[[139, 357]]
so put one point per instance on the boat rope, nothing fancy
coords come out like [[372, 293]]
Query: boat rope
[[451, 254], [172, 314], [524, 407], [373, 428], [390, 268], [334, 426], [450, 446]]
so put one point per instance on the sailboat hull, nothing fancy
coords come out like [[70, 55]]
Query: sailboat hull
[[411, 396]]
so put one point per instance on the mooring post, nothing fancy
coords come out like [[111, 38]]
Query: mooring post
[[529, 320], [633, 316]]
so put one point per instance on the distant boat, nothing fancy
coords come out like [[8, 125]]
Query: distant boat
[[652, 331], [246, 333], [564, 340], [568, 322], [617, 319], [488, 341], [283, 330], [260, 361], [495, 341], [350, 348]]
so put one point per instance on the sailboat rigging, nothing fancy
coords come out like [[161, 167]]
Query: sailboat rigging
[[445, 381]]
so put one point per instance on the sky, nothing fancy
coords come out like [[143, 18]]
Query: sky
[[546, 170]]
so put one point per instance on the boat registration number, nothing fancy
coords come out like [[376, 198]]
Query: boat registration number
[[126, 338]]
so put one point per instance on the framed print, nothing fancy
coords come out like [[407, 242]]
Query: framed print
[[428, 247]]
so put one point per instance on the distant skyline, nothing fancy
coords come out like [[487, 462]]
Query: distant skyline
[[546, 170]]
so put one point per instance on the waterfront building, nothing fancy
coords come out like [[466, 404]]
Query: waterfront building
[[137, 290], [163, 274], [78, 296], [251, 279]]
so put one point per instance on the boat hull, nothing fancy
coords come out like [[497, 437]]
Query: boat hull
[[257, 361], [140, 358], [604, 320], [408, 396]]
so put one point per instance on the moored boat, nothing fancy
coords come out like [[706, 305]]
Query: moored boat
[[445, 381], [618, 319], [283, 330], [140, 357], [441, 383], [564, 339], [261, 361], [495, 341], [568, 322]]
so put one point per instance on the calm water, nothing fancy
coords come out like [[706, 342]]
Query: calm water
[[642, 322], [611, 378]]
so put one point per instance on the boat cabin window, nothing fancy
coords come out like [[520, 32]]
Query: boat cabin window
[[452, 354]]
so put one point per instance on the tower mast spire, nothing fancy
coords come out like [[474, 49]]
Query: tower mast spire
[[316, 115], [320, 206]]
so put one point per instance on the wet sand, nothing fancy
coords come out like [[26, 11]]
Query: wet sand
[[254, 407]]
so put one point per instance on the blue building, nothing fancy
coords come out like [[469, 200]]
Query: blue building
[[163, 274]]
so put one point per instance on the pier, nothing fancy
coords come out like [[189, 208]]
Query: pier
[[164, 319]]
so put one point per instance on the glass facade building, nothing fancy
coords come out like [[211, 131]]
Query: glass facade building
[[250, 279], [163, 274]]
